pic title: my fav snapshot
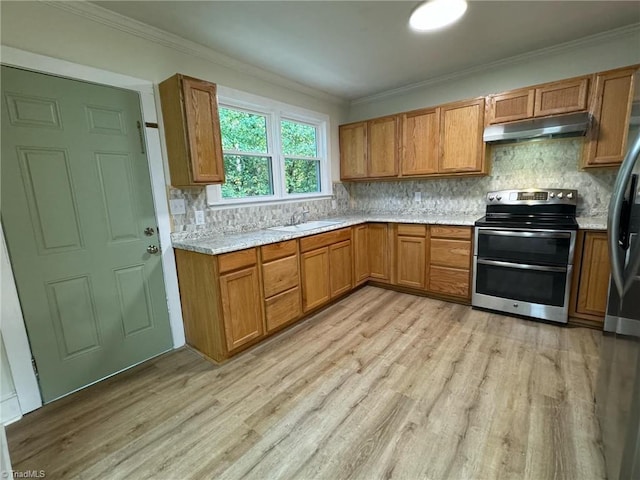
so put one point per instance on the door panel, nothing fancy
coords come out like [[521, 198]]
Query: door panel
[[76, 198]]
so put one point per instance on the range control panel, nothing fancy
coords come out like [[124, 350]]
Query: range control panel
[[533, 196]]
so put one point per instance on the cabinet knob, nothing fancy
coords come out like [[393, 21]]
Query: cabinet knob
[[152, 249]]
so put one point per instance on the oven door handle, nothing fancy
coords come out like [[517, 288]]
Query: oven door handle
[[522, 266], [505, 233]]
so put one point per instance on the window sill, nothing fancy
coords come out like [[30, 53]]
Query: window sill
[[222, 205]]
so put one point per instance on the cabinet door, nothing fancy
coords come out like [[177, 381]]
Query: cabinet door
[[241, 307], [511, 106], [361, 254], [353, 151], [382, 138], [594, 275], [410, 258], [379, 251], [461, 145], [340, 268], [449, 281], [420, 141], [561, 97], [203, 130], [315, 278], [613, 97]]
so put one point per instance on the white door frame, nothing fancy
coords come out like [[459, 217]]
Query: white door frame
[[12, 325]]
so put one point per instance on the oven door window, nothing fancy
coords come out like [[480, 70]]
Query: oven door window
[[522, 284], [541, 248]]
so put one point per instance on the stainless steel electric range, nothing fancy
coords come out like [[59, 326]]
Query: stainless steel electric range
[[523, 253]]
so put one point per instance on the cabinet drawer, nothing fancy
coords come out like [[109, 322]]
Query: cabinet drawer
[[280, 275], [412, 230], [236, 260], [283, 308], [438, 231], [449, 281], [324, 239], [275, 251], [450, 253]]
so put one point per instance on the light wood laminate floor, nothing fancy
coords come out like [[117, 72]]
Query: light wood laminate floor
[[380, 385]]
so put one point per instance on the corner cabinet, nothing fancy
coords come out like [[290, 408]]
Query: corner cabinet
[[606, 144], [192, 131]]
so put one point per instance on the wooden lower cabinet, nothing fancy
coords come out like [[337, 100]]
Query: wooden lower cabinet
[[450, 256], [283, 308], [241, 306], [315, 278], [411, 263], [591, 277], [221, 312], [449, 281], [379, 252], [340, 273], [360, 253]]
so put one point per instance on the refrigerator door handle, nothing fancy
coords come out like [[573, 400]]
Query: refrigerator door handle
[[616, 254]]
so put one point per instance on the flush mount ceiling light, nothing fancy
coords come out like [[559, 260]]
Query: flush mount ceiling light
[[436, 14]]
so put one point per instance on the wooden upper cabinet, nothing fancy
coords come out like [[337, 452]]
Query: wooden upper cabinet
[[461, 144], [382, 142], [511, 106], [612, 101], [192, 131], [353, 151], [561, 97], [420, 141]]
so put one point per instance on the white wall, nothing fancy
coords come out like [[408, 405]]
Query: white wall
[[54, 31], [602, 52], [9, 405]]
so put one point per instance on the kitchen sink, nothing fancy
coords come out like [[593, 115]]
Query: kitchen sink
[[303, 227]]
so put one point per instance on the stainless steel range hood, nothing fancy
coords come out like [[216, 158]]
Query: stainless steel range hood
[[573, 124]]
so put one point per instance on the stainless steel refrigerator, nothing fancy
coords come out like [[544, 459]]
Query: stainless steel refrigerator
[[618, 387]]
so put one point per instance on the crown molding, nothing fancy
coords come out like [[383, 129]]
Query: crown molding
[[516, 59], [128, 25]]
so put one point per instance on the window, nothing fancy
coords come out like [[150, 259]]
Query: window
[[272, 151]]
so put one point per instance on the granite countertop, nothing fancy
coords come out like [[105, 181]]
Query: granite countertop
[[213, 244], [592, 223]]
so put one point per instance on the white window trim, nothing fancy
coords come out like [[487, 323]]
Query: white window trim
[[276, 111]]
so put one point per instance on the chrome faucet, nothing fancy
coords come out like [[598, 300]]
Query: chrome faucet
[[298, 219]]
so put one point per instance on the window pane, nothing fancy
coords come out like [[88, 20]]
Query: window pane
[[247, 176], [298, 139], [242, 131], [302, 176]]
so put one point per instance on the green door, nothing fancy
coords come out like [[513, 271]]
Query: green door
[[75, 203]]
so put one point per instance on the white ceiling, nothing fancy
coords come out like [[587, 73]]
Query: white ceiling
[[356, 49]]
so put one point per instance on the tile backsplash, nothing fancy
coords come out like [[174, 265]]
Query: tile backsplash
[[536, 164], [546, 163], [252, 217]]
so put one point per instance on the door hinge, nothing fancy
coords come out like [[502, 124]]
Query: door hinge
[[35, 367], [141, 135]]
